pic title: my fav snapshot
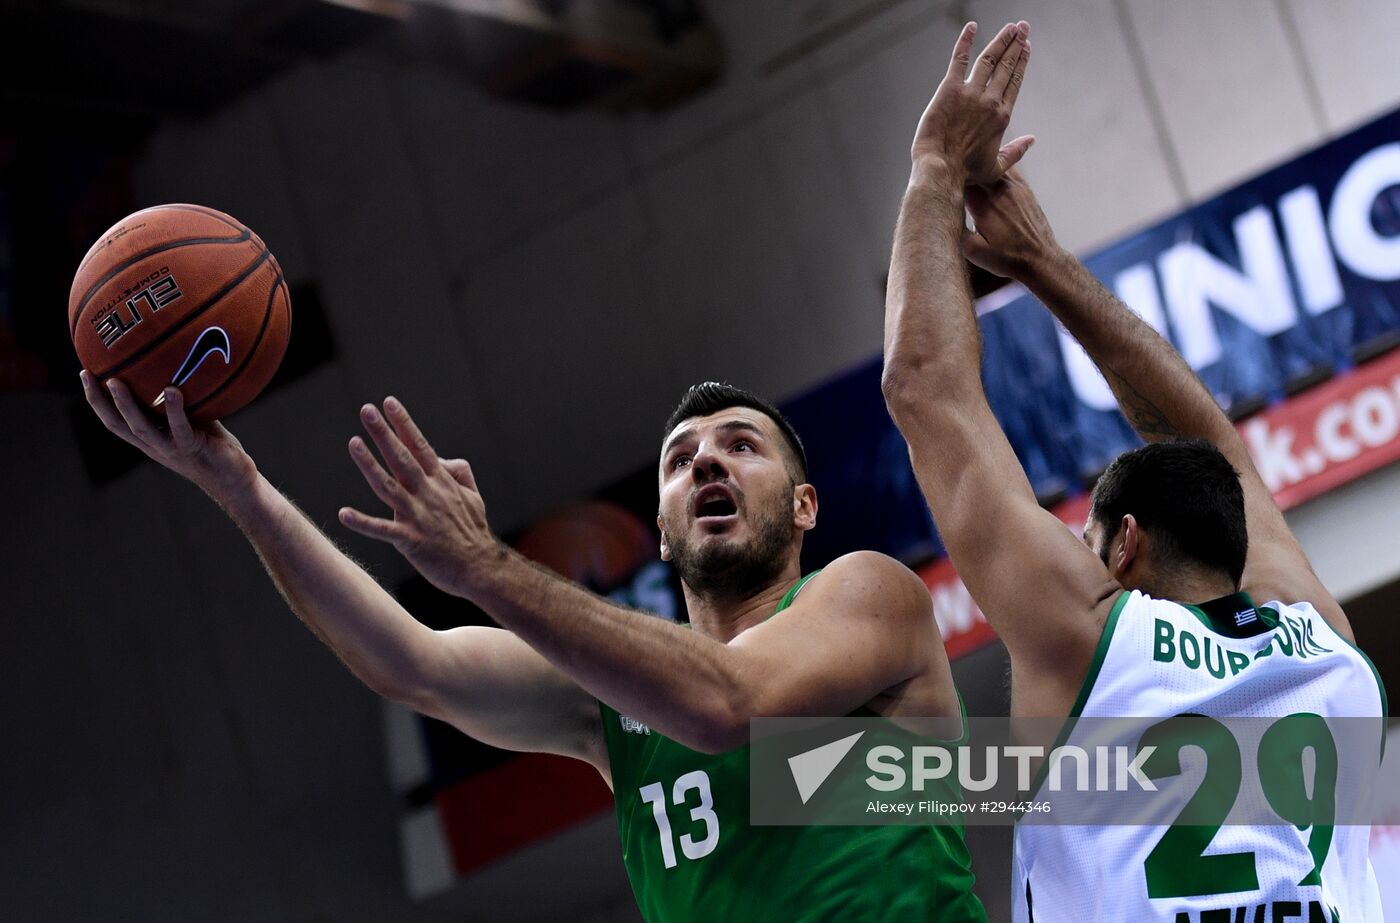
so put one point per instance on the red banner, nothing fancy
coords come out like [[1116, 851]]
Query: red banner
[[1330, 434], [1303, 447]]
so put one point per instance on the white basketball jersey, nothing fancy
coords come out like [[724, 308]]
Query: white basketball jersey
[[1223, 659]]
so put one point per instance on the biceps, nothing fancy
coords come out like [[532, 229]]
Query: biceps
[[834, 672], [494, 687], [856, 632]]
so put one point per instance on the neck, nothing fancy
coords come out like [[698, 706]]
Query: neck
[[1189, 587], [724, 618]]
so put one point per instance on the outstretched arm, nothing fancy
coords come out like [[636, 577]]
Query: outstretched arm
[[859, 629], [1044, 591], [1157, 391], [485, 681]]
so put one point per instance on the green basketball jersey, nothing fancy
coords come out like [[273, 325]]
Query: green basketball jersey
[[691, 853]]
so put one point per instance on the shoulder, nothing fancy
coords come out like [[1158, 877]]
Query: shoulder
[[869, 565], [880, 581]]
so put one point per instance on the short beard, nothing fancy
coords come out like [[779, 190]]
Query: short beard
[[729, 570]]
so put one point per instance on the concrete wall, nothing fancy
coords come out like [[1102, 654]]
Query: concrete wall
[[539, 289]]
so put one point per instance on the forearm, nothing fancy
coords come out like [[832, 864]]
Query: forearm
[[342, 605], [1158, 392], [686, 685], [931, 335]]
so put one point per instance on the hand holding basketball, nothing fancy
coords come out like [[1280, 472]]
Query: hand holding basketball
[[210, 457], [439, 521], [964, 122], [181, 295]]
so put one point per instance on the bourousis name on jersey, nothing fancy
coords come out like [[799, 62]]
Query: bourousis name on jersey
[[1293, 638]]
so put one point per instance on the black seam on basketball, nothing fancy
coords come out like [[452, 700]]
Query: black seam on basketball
[[82, 305], [187, 319], [248, 353], [288, 308]]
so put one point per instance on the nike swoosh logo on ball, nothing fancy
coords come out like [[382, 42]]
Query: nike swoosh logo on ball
[[212, 340]]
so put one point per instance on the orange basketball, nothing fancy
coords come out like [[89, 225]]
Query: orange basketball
[[181, 295]]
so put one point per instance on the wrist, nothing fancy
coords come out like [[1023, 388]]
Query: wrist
[[241, 499], [1043, 263], [489, 565], [226, 480], [934, 169]]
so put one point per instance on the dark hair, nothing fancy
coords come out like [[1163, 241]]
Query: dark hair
[[1185, 495], [712, 396]]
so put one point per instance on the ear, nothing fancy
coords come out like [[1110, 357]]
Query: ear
[[804, 506], [665, 546], [1128, 545]]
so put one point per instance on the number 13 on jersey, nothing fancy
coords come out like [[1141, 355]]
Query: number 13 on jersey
[[691, 791]]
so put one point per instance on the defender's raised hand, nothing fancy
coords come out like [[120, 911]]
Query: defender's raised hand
[[964, 122], [1012, 233], [439, 521]]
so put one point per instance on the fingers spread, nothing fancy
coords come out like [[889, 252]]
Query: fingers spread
[[411, 435], [384, 486], [962, 53], [987, 64], [402, 464], [369, 526]]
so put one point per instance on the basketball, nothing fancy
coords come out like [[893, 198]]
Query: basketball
[[181, 295]]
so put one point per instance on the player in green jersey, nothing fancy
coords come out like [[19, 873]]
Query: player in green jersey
[[671, 732]]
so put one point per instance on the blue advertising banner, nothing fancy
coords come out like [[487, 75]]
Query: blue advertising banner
[[1276, 283]]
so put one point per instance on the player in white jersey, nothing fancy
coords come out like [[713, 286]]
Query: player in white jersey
[[1279, 666], [1153, 613]]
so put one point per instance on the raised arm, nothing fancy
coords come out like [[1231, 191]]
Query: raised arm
[[1157, 391], [1044, 591], [485, 681], [862, 627]]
